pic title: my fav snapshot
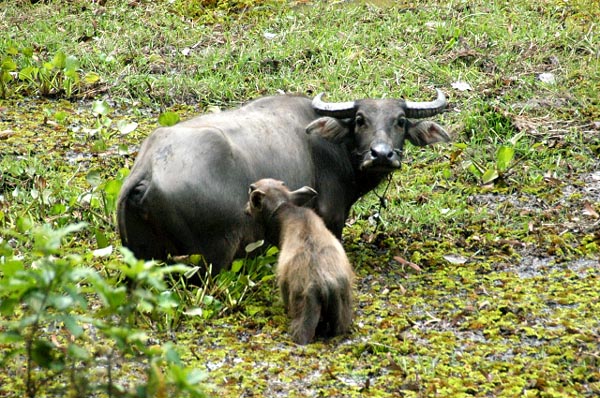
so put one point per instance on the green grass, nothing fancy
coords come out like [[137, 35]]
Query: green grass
[[506, 300]]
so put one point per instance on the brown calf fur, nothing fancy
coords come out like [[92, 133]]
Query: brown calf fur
[[313, 273]]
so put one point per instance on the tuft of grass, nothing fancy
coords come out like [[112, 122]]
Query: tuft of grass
[[208, 296]]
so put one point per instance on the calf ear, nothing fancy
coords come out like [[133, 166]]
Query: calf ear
[[302, 196], [331, 129], [426, 132], [256, 199]]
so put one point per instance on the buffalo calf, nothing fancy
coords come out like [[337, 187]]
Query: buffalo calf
[[313, 272]]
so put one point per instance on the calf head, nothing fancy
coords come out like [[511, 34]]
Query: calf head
[[375, 130], [266, 196]]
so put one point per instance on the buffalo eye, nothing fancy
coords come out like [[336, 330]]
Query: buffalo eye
[[360, 120], [401, 121]]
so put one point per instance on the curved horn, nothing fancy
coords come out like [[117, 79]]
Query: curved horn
[[340, 110], [420, 110]]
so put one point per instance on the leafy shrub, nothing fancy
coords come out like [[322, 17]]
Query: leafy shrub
[[74, 330], [59, 77], [500, 167]]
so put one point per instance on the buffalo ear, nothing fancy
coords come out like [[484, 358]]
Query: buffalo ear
[[426, 132], [256, 199], [302, 196], [331, 129]]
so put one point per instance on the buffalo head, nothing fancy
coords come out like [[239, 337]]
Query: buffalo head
[[375, 130]]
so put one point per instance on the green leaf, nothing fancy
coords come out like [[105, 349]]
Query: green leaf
[[273, 250], [24, 224], [123, 149], [171, 355], [12, 336], [11, 266], [98, 146], [489, 176], [7, 306], [60, 302], [252, 310], [105, 121], [71, 63], [73, 75], [167, 301], [115, 298], [470, 166], [101, 240], [8, 64], [195, 376], [168, 119], [254, 245], [447, 173], [504, 157], [5, 76], [93, 177], [61, 116], [59, 60], [28, 73], [112, 187], [125, 127], [58, 208], [173, 269], [128, 256], [237, 266], [78, 352], [91, 78], [101, 108], [137, 337], [208, 300], [72, 325], [197, 259], [27, 51], [48, 241]]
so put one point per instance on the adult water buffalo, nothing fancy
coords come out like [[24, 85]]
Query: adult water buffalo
[[188, 187]]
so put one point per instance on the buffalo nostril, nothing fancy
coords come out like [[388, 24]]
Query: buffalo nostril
[[382, 151]]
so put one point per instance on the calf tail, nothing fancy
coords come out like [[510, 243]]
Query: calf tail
[[339, 308], [305, 311], [344, 314]]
